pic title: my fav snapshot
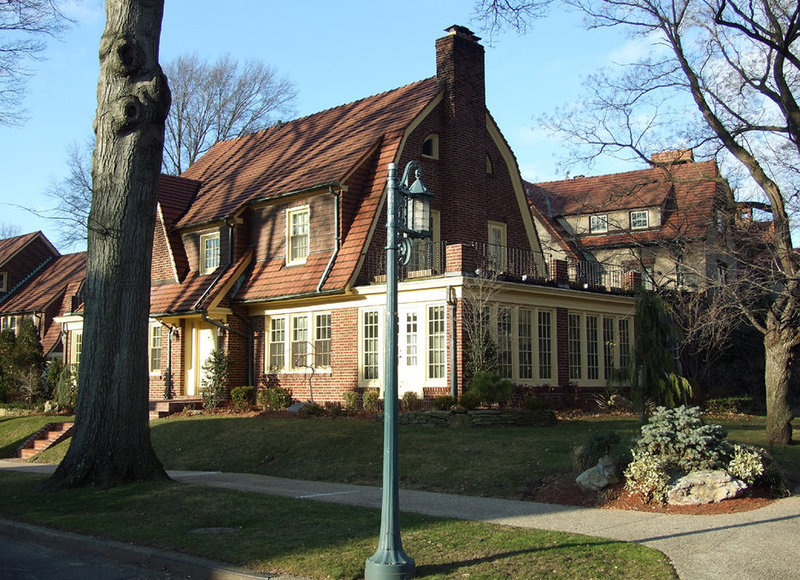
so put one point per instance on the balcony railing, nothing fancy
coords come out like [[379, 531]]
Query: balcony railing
[[505, 263]]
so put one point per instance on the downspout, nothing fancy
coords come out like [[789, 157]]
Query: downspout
[[337, 238], [228, 328], [453, 303], [168, 377]]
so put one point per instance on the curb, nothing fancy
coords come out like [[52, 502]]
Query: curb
[[182, 565]]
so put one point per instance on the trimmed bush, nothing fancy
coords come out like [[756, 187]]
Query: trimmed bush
[[491, 388], [243, 398], [371, 401], [409, 401], [534, 403], [274, 399], [350, 401], [648, 476], [444, 402], [729, 405], [470, 400], [215, 381], [587, 455]]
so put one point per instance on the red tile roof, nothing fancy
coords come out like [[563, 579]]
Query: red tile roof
[[694, 187], [48, 285], [306, 153], [175, 194], [9, 247]]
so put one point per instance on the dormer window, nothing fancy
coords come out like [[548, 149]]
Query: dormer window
[[3, 281], [298, 237], [430, 147], [598, 224], [209, 253], [639, 220]]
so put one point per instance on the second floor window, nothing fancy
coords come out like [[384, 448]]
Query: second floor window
[[298, 235], [639, 220], [598, 224], [497, 246], [209, 253]]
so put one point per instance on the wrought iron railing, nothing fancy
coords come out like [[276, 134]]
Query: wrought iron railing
[[510, 262]]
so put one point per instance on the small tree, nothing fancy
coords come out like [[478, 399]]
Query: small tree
[[215, 381]]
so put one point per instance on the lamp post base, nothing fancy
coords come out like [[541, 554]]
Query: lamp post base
[[389, 565]]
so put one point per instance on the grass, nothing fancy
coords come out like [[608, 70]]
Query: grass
[[315, 539], [14, 430]]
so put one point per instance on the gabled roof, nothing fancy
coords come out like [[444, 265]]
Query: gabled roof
[[693, 186], [10, 247], [310, 152], [48, 285], [175, 194]]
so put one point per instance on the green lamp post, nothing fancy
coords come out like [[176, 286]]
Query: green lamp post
[[408, 216]]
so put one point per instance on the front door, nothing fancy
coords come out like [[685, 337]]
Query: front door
[[200, 340], [410, 350]]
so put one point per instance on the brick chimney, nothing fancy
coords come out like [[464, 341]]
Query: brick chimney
[[460, 68]]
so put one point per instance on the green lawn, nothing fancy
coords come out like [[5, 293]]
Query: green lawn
[[316, 539]]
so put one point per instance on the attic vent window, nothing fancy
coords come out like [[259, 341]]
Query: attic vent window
[[430, 147], [3, 281]]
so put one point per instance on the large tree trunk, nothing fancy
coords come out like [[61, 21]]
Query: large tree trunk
[[111, 442], [778, 351]]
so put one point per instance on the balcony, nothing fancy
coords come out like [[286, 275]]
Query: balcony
[[505, 263]]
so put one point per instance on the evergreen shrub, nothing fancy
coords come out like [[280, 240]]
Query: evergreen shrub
[[215, 381], [470, 400], [490, 388], [444, 402], [371, 401], [243, 398], [350, 399], [274, 399], [409, 402]]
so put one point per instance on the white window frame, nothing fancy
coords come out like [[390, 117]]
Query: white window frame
[[640, 219], [497, 236], [326, 338], [527, 346], [608, 326], [294, 257], [76, 347], [285, 327], [436, 342], [9, 323], [154, 344], [204, 267], [433, 138], [376, 319], [276, 325], [598, 224]]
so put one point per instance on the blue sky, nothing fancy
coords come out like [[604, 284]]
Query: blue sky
[[335, 52]]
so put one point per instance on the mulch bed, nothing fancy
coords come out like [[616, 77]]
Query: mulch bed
[[562, 489]]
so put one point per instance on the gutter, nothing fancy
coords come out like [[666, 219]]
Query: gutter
[[337, 238]]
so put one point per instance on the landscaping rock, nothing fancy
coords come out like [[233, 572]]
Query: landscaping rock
[[601, 475], [701, 487], [620, 402], [459, 421]]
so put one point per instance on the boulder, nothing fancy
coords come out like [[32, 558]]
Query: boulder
[[601, 475], [701, 487]]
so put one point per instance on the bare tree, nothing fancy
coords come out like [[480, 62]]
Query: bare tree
[[73, 197], [24, 27], [719, 77], [111, 442], [213, 102], [9, 230]]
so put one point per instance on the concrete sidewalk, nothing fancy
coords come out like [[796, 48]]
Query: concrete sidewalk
[[760, 544]]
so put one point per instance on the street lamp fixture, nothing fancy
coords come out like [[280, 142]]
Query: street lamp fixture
[[408, 216]]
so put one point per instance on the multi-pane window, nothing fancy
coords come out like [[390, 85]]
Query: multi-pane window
[[525, 344], [575, 348], [436, 342], [155, 348], [504, 365], [411, 339], [322, 340], [609, 347], [298, 235], [299, 341], [370, 351], [9, 323], [624, 344], [592, 349], [639, 220], [277, 341], [77, 346], [545, 345], [209, 253], [598, 224], [497, 246]]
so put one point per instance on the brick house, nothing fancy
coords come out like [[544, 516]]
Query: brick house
[[36, 281], [667, 222], [272, 248]]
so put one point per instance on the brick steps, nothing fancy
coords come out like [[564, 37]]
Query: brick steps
[[49, 435], [161, 409]]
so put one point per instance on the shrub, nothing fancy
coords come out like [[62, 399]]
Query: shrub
[[243, 398], [681, 439], [334, 409], [215, 381], [312, 410], [648, 476], [490, 388], [746, 464], [371, 401], [534, 403], [50, 378], [274, 398], [595, 447], [444, 402], [409, 401], [350, 401], [729, 405], [470, 400], [66, 392]]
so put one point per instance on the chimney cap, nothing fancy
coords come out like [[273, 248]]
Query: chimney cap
[[462, 31]]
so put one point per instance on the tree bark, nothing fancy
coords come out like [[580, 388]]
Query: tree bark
[[778, 350], [111, 442]]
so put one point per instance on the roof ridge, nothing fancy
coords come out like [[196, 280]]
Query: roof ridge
[[619, 173]]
